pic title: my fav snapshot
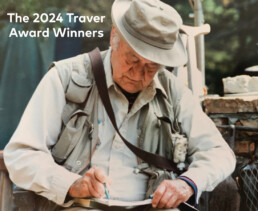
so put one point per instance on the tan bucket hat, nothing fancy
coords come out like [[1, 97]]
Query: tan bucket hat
[[151, 28]]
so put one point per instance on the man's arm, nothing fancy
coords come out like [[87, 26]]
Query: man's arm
[[211, 159], [27, 155]]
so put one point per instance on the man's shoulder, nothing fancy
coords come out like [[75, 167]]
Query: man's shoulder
[[170, 83], [79, 62], [71, 63], [76, 68]]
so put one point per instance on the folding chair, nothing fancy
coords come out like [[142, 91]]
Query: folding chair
[[191, 76]]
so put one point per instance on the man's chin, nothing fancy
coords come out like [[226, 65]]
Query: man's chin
[[131, 89]]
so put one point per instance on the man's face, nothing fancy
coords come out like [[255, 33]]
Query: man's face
[[131, 72]]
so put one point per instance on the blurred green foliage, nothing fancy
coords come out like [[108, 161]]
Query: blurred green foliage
[[230, 47]]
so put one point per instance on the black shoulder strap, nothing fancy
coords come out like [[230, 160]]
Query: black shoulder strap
[[153, 159], [100, 78]]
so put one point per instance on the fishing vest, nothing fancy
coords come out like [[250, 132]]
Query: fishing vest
[[79, 135]]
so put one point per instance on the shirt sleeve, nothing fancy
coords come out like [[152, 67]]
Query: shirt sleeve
[[211, 159], [27, 155]]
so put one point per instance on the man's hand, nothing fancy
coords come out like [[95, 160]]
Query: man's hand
[[171, 193], [90, 184]]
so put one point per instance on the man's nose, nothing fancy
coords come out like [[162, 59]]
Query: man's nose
[[138, 72]]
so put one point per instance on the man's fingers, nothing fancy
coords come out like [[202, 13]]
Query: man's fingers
[[170, 193], [167, 196], [158, 194], [100, 175], [98, 187], [177, 203], [108, 183], [93, 191], [90, 173], [97, 178], [172, 202], [90, 184]]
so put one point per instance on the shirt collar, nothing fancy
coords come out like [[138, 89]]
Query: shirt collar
[[155, 84]]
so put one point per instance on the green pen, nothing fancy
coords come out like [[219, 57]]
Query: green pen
[[106, 191]]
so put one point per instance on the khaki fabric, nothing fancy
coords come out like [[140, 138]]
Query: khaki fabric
[[150, 26]]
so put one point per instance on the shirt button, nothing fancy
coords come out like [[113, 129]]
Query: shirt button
[[78, 162]]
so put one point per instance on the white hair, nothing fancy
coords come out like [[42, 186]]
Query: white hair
[[115, 40]]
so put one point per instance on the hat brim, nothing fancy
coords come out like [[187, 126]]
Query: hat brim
[[174, 57]]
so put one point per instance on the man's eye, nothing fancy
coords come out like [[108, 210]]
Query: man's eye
[[151, 71], [153, 67], [132, 61], [129, 62]]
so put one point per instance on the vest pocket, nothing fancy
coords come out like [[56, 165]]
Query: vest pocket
[[70, 136], [78, 88]]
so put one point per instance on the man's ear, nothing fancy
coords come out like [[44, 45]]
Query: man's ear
[[112, 35]]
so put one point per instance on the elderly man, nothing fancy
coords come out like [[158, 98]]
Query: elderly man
[[65, 146]]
